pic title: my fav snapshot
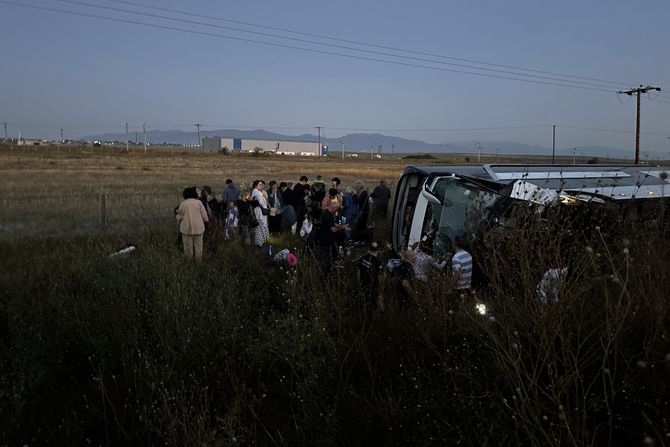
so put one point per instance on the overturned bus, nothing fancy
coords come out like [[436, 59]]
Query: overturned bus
[[438, 203]]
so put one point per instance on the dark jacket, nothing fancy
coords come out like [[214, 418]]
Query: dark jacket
[[381, 196], [230, 194], [362, 202]]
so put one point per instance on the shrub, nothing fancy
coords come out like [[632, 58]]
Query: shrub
[[150, 349], [419, 157]]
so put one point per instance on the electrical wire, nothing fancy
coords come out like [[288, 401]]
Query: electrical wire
[[659, 100], [463, 129], [653, 97], [339, 47], [608, 130], [356, 42], [311, 50], [231, 126]]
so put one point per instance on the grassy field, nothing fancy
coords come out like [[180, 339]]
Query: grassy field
[[147, 349], [45, 192]]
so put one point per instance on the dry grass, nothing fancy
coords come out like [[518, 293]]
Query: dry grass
[[80, 170], [64, 189]]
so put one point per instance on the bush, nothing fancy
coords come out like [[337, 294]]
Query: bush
[[419, 157], [150, 349], [258, 151]]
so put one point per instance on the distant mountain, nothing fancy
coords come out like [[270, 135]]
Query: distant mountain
[[363, 142]]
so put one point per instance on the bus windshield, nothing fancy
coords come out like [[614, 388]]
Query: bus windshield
[[464, 207]]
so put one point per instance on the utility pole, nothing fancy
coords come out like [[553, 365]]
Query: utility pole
[[574, 155], [318, 140], [372, 152], [637, 92], [197, 126], [342, 141], [392, 149], [127, 140], [144, 131], [479, 152], [5, 126], [553, 145]]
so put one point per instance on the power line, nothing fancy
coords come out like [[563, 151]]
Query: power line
[[341, 47], [254, 127], [452, 129], [356, 42], [659, 100], [311, 50], [609, 130]]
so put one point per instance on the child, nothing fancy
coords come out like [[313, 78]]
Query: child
[[232, 220]]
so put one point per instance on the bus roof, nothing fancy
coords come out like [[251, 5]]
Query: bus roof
[[618, 182]]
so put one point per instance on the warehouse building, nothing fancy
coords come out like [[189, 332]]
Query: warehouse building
[[280, 147]]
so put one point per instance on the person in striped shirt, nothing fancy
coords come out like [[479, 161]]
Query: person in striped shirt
[[461, 264]]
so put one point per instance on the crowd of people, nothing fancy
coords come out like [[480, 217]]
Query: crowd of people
[[333, 220], [325, 215]]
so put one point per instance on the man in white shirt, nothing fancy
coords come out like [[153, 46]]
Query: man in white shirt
[[461, 264]]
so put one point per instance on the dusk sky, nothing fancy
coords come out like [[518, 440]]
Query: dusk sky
[[89, 75]]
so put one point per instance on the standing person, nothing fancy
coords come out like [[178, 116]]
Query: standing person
[[230, 193], [380, 197], [318, 185], [461, 265], [191, 217], [317, 194], [287, 195], [261, 211], [206, 197], [349, 212], [326, 239], [288, 217], [205, 194], [276, 204], [299, 197], [337, 184], [362, 202], [246, 217], [369, 269], [551, 283], [232, 221]]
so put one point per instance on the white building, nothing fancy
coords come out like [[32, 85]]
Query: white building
[[280, 147]]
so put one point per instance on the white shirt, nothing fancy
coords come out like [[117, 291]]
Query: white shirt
[[550, 284], [256, 194]]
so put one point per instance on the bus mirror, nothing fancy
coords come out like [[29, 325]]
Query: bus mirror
[[430, 197]]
